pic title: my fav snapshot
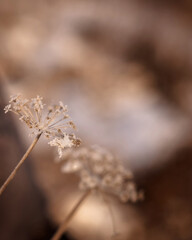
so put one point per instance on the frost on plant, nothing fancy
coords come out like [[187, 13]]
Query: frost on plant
[[52, 121], [99, 169], [68, 140]]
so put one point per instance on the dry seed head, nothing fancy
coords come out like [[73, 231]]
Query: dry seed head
[[62, 143], [97, 168], [52, 122]]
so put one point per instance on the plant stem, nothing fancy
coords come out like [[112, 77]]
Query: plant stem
[[108, 204], [13, 173], [67, 220]]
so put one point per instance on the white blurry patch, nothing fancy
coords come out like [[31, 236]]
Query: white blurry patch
[[143, 129]]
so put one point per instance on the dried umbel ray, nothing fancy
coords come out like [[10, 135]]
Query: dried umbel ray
[[99, 169], [52, 122]]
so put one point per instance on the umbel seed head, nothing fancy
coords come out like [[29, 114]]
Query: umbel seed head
[[99, 169], [52, 122]]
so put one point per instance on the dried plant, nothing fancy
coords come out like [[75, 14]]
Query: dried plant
[[69, 217], [98, 170], [51, 122]]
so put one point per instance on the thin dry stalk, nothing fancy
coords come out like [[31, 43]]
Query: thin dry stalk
[[13, 173], [108, 204], [67, 220]]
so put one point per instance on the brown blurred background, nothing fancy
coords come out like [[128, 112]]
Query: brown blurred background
[[124, 70]]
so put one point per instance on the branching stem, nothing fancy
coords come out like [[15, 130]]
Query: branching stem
[[108, 204]]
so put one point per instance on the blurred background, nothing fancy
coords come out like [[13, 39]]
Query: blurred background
[[124, 69]]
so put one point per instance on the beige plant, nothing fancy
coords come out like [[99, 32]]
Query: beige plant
[[100, 171], [52, 122]]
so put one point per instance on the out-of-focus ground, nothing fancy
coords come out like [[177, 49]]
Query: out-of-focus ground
[[124, 70]]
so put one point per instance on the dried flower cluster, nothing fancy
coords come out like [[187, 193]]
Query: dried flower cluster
[[99, 169], [52, 122]]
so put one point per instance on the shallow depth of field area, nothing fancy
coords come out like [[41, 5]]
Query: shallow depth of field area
[[123, 68]]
